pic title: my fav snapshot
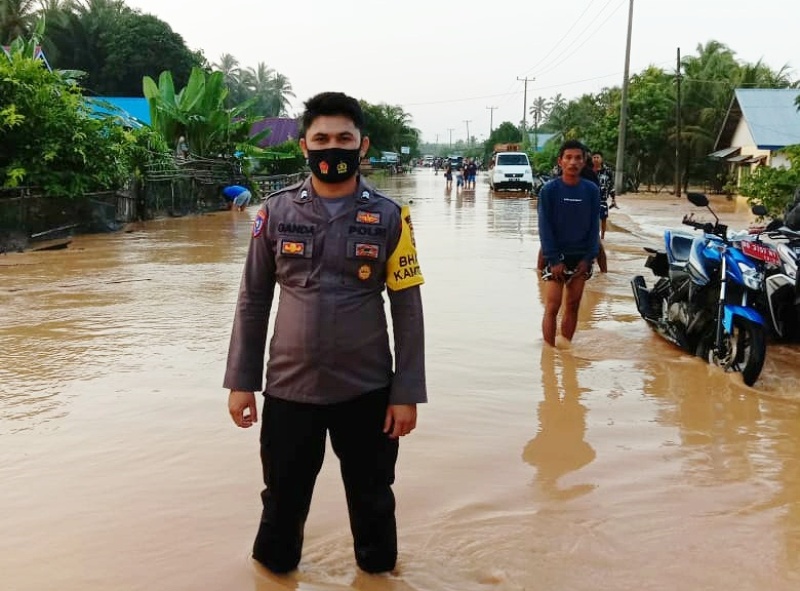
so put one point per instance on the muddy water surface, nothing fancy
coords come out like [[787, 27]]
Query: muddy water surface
[[621, 464]]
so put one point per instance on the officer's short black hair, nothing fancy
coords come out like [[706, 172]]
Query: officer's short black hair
[[571, 145], [332, 103], [597, 153]]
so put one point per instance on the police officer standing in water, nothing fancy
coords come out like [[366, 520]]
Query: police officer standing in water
[[333, 244]]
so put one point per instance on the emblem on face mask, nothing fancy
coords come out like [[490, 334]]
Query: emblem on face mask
[[323, 167], [341, 168], [364, 272]]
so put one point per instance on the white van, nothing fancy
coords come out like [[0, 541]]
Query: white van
[[510, 170]]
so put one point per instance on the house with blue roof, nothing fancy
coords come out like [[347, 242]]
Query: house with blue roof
[[128, 111], [760, 122]]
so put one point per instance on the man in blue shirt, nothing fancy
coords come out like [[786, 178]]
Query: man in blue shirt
[[238, 195], [569, 230]]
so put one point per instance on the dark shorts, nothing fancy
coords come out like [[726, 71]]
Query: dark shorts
[[571, 264], [603, 209]]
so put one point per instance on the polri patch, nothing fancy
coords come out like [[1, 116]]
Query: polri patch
[[367, 251], [259, 223], [368, 217]]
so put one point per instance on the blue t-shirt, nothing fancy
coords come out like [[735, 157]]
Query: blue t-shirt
[[569, 220], [232, 191]]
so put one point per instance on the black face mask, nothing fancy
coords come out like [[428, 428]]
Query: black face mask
[[334, 165]]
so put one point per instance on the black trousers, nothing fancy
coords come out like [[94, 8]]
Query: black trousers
[[292, 449]]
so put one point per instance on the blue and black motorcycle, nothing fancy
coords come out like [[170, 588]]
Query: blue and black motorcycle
[[703, 296]]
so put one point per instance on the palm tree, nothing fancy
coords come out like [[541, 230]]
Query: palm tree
[[281, 91], [17, 18]]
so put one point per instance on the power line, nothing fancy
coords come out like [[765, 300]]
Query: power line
[[599, 27], [557, 43]]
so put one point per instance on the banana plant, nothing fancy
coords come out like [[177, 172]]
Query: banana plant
[[198, 113]]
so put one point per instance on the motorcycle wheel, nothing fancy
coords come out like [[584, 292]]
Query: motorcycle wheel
[[748, 350], [751, 349]]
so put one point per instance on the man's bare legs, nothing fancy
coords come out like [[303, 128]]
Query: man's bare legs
[[554, 294], [603, 223], [569, 320], [554, 291]]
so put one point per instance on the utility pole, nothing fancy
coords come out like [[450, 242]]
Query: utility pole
[[491, 119], [469, 143], [450, 129], [619, 176], [525, 107], [678, 78], [437, 143]]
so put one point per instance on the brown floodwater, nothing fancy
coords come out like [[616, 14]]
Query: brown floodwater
[[620, 464]]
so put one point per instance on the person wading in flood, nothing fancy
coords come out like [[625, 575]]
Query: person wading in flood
[[334, 244], [569, 230]]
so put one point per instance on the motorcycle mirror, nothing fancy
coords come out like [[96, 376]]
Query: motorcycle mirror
[[759, 210], [774, 225], [697, 199]]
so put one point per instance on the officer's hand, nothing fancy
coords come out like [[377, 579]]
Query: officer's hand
[[558, 272], [242, 406], [400, 420]]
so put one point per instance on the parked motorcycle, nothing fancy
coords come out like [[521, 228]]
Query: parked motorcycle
[[779, 299], [702, 300]]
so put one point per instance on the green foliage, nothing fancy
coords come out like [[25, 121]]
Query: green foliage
[[285, 158], [774, 187], [116, 46], [47, 138], [198, 113], [389, 128], [545, 159]]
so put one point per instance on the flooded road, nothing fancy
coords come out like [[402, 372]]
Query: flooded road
[[622, 464]]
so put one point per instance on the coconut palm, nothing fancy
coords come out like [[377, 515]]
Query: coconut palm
[[17, 18]]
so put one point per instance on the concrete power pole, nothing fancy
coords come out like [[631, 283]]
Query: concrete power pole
[[491, 119], [469, 143], [619, 175], [678, 122], [525, 107], [450, 129]]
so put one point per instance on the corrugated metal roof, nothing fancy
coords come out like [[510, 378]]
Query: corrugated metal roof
[[283, 129], [128, 109], [724, 153], [771, 115]]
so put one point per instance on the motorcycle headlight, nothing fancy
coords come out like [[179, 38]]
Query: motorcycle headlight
[[752, 277]]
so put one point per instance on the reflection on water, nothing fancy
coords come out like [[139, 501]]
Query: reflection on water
[[621, 460], [560, 446]]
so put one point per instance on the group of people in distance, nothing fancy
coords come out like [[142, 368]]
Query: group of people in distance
[[465, 174]]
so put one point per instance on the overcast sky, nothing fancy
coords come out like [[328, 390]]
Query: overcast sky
[[446, 62]]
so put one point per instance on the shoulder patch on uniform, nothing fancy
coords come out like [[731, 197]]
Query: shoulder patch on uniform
[[402, 267], [258, 224]]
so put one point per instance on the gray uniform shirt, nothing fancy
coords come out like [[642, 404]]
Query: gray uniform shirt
[[330, 341]]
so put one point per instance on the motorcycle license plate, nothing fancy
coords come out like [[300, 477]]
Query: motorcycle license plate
[[760, 252]]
